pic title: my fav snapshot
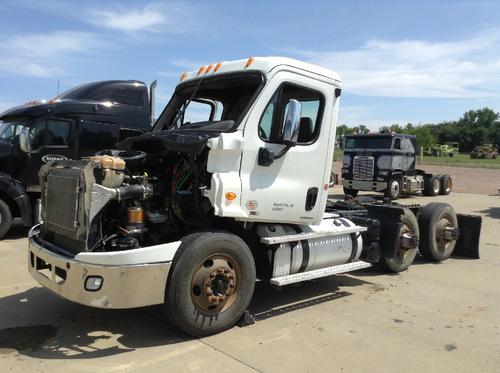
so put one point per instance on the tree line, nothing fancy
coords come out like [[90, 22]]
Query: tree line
[[475, 127]]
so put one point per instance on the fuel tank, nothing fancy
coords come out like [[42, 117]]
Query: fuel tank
[[315, 253]]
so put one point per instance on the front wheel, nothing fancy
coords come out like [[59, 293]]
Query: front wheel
[[5, 218], [211, 283], [407, 246], [393, 190]]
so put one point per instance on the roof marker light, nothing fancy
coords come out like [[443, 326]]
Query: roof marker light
[[201, 69], [217, 67], [249, 62], [183, 76], [209, 68]]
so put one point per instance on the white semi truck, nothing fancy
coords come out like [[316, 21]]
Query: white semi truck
[[231, 186]]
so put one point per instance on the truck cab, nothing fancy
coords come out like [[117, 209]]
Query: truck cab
[[230, 186], [386, 162], [75, 124]]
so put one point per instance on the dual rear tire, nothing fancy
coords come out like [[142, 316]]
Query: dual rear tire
[[437, 184]]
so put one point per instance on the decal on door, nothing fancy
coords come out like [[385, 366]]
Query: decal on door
[[54, 157]]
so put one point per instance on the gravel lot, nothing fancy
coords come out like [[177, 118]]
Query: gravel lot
[[465, 179]]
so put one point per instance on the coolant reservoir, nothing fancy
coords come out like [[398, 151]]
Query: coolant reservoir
[[112, 170], [108, 161]]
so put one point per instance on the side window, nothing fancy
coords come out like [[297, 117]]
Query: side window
[[50, 133], [37, 132], [397, 143], [57, 133], [271, 122]]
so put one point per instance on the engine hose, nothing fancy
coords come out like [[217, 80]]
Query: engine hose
[[133, 191]]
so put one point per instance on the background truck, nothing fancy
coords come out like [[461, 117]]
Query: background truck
[[75, 124], [485, 151], [448, 149], [191, 214], [386, 162]]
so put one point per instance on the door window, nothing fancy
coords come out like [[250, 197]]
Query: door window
[[50, 133], [272, 120]]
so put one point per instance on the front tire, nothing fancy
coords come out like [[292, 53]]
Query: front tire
[[393, 190], [439, 231], [409, 235], [211, 283], [5, 218]]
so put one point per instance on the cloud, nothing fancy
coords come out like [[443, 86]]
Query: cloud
[[151, 18], [45, 55], [414, 68], [366, 115]]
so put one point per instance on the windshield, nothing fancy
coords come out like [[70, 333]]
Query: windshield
[[215, 99], [368, 143], [8, 130]]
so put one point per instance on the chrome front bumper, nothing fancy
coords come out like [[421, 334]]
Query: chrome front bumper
[[123, 286], [375, 186]]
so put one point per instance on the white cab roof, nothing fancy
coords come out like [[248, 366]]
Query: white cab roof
[[264, 64]]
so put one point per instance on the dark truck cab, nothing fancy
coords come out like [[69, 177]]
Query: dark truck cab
[[386, 162], [75, 124]]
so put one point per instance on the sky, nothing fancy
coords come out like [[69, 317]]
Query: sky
[[400, 61]]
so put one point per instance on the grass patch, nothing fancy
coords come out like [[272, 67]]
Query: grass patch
[[462, 160]]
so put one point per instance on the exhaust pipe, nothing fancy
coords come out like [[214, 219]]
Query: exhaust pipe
[[152, 99]]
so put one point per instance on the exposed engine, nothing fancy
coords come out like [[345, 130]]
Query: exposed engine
[[124, 199]]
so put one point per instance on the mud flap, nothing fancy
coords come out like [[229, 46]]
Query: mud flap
[[390, 226], [468, 242]]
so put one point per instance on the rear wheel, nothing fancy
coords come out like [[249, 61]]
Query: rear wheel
[[5, 218], [210, 284], [439, 231], [432, 185], [407, 245], [393, 190], [446, 185], [350, 192]]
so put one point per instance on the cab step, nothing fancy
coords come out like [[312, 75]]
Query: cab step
[[318, 273], [309, 235]]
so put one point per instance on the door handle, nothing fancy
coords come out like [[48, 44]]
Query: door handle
[[311, 197]]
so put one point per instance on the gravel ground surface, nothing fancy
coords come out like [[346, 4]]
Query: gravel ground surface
[[465, 179]]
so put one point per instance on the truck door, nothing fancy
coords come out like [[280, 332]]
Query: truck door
[[50, 139], [294, 187]]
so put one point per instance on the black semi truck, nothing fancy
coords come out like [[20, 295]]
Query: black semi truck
[[75, 124], [386, 162]]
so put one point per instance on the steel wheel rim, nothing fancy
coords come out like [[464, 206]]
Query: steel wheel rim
[[435, 185], [395, 188], [447, 185], [215, 283]]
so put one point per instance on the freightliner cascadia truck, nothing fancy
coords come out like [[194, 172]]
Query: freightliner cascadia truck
[[229, 187]]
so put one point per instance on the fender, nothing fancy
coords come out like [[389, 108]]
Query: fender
[[17, 192]]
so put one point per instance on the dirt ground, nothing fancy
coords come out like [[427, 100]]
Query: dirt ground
[[435, 317], [465, 179]]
